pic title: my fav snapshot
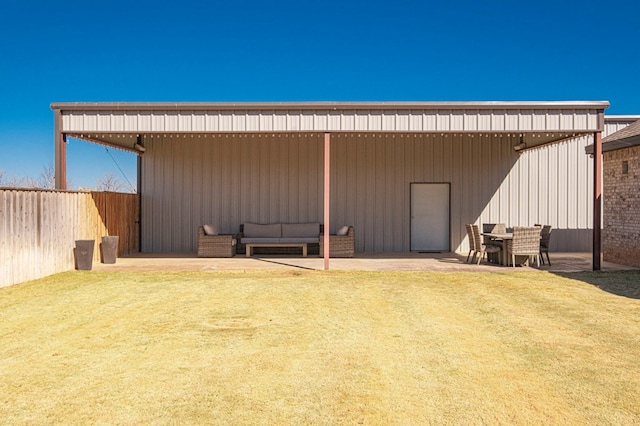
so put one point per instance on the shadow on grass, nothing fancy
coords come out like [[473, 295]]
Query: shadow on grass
[[283, 263], [621, 283]]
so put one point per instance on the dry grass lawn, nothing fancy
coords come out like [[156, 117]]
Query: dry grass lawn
[[320, 348]]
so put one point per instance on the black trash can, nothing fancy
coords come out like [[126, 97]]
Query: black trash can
[[109, 249], [84, 254]]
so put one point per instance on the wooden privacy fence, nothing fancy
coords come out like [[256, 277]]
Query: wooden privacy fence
[[38, 229]]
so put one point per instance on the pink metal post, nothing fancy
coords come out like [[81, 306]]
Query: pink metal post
[[327, 193]]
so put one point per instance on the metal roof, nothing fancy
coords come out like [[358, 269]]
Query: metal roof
[[243, 106]]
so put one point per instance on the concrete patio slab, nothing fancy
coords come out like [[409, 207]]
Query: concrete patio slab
[[450, 262]]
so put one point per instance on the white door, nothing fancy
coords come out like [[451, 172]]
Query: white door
[[430, 217]]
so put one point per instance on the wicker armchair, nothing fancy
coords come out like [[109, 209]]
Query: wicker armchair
[[340, 245], [215, 245], [525, 242]]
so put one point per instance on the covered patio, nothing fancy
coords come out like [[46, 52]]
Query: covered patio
[[354, 164]]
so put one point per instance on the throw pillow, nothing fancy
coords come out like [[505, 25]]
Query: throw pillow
[[210, 230], [343, 231]]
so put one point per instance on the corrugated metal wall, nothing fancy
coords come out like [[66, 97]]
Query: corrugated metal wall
[[338, 118], [229, 179], [615, 123], [557, 190]]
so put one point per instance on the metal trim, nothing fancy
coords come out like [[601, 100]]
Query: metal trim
[[269, 106]]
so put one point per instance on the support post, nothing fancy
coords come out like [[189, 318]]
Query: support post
[[597, 200], [60, 150], [327, 194], [139, 191]]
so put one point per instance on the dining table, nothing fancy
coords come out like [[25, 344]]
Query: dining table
[[503, 237]]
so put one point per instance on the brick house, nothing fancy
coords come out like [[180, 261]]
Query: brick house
[[621, 179]]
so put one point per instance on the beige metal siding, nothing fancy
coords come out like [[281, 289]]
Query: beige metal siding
[[227, 180], [613, 124], [391, 120], [556, 189], [560, 188], [231, 179]]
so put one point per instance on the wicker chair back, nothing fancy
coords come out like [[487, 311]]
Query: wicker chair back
[[526, 240]]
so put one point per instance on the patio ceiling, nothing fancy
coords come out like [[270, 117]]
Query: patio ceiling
[[519, 140]]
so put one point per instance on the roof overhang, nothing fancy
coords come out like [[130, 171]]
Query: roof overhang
[[119, 124], [616, 145], [624, 138]]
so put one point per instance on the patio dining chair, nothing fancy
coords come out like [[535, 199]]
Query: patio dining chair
[[472, 243], [496, 228], [482, 248], [525, 242], [545, 236]]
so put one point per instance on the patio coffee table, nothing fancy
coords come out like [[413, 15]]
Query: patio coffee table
[[250, 247]]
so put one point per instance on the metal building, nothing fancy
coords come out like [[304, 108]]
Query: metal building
[[407, 176]]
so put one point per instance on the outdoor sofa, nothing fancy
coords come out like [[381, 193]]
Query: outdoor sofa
[[273, 238], [279, 238]]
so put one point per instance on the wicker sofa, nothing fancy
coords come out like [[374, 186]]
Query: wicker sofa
[[279, 234], [340, 245], [216, 245], [228, 245]]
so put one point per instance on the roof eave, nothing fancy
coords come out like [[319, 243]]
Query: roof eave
[[615, 145], [244, 106]]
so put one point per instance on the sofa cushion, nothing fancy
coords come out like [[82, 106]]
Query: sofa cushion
[[300, 230], [343, 231], [210, 230], [252, 240], [255, 230], [309, 240]]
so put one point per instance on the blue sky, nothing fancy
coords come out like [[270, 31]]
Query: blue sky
[[210, 51]]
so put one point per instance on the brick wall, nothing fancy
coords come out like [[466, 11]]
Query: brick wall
[[621, 207]]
